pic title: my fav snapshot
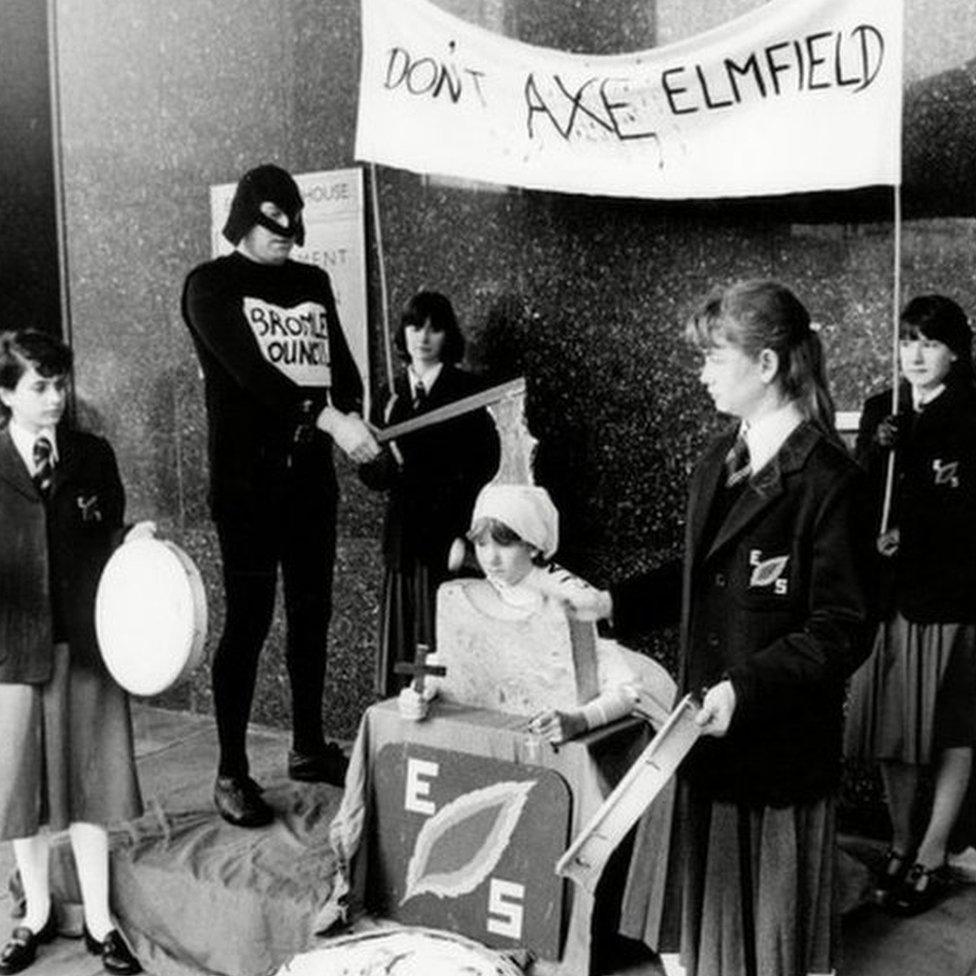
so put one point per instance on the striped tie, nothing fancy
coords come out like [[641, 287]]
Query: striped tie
[[419, 396], [43, 464], [737, 465]]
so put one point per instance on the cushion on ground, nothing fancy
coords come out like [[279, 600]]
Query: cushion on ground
[[195, 895]]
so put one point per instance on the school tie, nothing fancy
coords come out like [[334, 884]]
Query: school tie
[[737, 464], [419, 396], [43, 464]]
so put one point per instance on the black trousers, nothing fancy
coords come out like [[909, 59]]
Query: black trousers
[[298, 533]]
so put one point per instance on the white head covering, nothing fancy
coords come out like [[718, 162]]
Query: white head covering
[[526, 509]]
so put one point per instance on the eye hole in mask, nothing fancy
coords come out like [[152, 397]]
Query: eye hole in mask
[[289, 229]]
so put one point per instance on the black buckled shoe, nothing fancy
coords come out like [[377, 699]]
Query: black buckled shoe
[[921, 889], [238, 801], [894, 867], [116, 955], [325, 766], [21, 948]]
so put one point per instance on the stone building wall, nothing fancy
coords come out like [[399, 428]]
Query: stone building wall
[[160, 100]]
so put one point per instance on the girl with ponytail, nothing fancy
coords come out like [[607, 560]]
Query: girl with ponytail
[[763, 315], [771, 599]]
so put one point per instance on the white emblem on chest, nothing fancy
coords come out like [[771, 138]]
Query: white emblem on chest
[[768, 572], [946, 472]]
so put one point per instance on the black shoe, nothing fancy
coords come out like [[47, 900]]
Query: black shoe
[[21, 949], [238, 801], [921, 889], [253, 785], [328, 765], [893, 870], [116, 957]]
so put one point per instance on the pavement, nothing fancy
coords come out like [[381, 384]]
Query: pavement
[[176, 755]]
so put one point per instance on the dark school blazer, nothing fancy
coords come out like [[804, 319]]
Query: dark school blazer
[[775, 601], [444, 467], [932, 578], [52, 555]]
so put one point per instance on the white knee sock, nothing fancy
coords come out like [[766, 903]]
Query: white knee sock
[[31, 854], [89, 842]]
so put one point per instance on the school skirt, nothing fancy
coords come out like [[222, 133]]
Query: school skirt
[[916, 693], [757, 888], [66, 752], [408, 608]]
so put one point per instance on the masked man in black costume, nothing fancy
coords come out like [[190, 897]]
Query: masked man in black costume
[[281, 387]]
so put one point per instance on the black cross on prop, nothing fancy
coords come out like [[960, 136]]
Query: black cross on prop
[[420, 669]]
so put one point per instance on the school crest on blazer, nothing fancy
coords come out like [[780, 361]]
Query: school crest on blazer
[[88, 507], [946, 472], [768, 572]]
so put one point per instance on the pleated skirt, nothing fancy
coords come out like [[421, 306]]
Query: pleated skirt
[[757, 888], [408, 607], [916, 693], [66, 752]]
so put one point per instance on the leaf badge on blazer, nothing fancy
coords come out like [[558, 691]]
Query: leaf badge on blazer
[[459, 846], [946, 472], [768, 572]]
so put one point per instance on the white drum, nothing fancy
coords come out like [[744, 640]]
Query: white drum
[[151, 616]]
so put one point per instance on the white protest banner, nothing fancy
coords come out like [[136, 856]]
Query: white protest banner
[[335, 240], [793, 96]]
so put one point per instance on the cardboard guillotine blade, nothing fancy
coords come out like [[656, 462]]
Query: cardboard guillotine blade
[[476, 401], [587, 856], [506, 404]]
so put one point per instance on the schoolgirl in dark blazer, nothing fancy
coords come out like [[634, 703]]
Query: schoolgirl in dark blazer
[[912, 704], [771, 601], [66, 757], [432, 478]]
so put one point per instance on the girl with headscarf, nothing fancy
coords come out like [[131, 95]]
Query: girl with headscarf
[[515, 532]]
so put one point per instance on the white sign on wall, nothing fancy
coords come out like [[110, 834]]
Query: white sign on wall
[[335, 241]]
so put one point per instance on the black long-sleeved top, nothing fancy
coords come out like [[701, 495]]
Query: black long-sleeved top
[[933, 505], [273, 355]]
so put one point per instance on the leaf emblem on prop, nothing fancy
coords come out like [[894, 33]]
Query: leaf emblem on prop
[[768, 571], [460, 845]]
